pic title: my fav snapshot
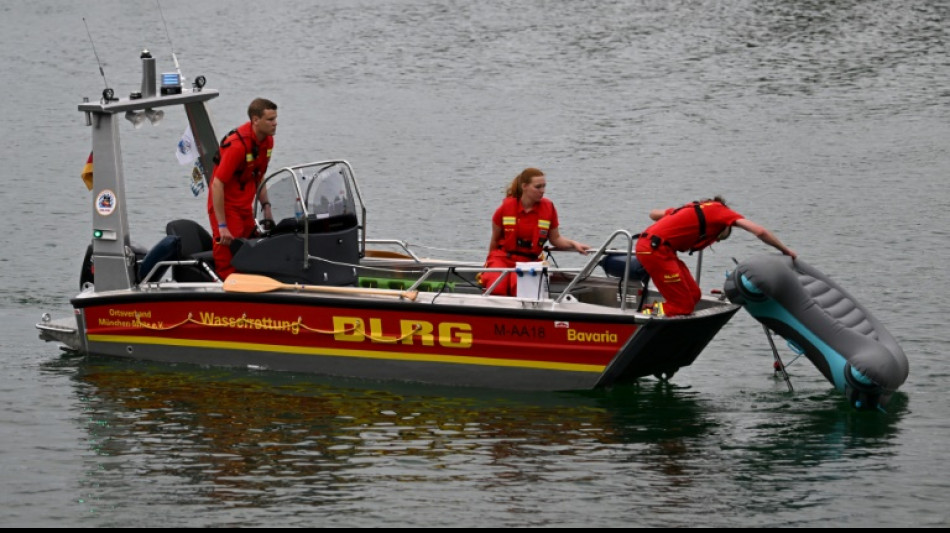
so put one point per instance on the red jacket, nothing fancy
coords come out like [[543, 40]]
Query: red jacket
[[241, 167], [680, 227], [525, 233]]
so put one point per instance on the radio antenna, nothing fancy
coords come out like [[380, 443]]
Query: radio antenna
[[170, 44], [101, 71]]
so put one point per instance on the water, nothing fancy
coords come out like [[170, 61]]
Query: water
[[823, 121]]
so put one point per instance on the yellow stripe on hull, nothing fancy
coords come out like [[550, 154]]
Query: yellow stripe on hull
[[366, 354]]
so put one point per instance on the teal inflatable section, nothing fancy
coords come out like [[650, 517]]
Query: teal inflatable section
[[848, 345]]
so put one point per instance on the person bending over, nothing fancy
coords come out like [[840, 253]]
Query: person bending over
[[689, 228]]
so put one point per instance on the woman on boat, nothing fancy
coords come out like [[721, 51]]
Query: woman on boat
[[690, 228], [521, 226]]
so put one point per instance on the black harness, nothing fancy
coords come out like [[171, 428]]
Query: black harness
[[523, 244], [240, 168], [699, 215], [657, 241], [527, 255]]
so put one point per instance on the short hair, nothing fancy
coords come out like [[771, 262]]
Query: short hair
[[258, 106]]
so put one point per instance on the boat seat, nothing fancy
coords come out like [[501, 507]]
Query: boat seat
[[196, 243], [167, 249], [614, 264]]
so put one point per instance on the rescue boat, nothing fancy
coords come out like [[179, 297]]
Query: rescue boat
[[313, 294]]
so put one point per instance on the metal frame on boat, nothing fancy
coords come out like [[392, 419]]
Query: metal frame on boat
[[309, 296]]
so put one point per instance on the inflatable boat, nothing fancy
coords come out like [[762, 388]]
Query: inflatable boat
[[850, 347]]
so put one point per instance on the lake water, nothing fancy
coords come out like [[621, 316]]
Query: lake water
[[826, 122]]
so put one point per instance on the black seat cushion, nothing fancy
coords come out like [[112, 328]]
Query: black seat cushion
[[196, 243], [613, 265], [167, 249], [194, 238]]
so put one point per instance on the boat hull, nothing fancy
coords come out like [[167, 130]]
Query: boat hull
[[513, 345]]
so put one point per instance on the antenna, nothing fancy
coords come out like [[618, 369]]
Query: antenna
[[168, 35], [101, 71]]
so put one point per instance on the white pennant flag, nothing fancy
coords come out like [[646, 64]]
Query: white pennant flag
[[187, 151]]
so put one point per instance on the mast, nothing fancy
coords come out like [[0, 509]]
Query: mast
[[112, 252]]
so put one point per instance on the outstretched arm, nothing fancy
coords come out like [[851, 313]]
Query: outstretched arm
[[765, 236], [561, 242]]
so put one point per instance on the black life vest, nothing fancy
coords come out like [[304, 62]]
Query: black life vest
[[656, 241], [249, 154], [699, 214]]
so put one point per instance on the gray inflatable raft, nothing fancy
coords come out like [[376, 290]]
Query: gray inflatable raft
[[850, 347]]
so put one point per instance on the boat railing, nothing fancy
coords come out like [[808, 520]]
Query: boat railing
[[449, 270], [594, 261], [580, 274], [395, 242], [160, 267]]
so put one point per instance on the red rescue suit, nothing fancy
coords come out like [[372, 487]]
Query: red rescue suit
[[241, 166], [685, 229], [524, 234]]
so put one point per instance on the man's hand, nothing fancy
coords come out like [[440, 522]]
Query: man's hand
[[225, 237]]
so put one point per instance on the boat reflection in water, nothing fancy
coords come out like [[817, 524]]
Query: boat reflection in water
[[218, 438], [235, 432]]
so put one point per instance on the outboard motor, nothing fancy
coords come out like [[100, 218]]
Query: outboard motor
[[88, 272]]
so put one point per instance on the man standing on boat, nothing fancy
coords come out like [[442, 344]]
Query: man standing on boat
[[239, 168], [690, 228]]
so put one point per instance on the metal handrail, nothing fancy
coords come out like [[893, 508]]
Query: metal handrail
[[580, 274], [429, 272], [402, 244], [594, 262], [183, 262]]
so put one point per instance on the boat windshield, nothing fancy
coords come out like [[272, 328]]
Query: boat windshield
[[329, 192], [282, 193], [325, 189]]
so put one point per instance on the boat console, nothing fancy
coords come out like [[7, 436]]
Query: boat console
[[316, 239]]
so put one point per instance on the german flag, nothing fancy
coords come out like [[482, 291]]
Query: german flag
[[87, 172]]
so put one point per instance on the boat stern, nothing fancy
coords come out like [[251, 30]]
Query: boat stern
[[662, 346], [64, 331]]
